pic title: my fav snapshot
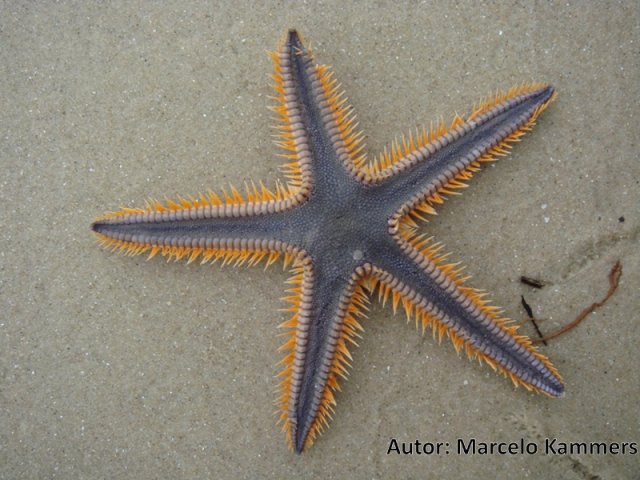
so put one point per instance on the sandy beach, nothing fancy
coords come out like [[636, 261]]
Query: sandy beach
[[117, 367]]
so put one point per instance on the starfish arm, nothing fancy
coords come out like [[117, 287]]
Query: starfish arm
[[325, 306], [235, 231], [432, 293], [315, 124], [417, 175]]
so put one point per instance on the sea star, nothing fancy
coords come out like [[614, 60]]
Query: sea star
[[348, 227]]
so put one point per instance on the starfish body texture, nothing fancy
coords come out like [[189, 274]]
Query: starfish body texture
[[347, 226]]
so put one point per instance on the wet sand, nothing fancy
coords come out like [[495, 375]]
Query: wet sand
[[114, 367]]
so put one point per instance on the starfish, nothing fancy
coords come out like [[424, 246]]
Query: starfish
[[348, 227]]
